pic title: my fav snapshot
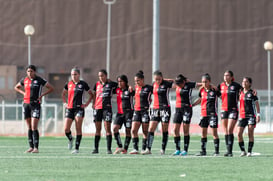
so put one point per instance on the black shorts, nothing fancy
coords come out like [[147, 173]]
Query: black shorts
[[141, 116], [183, 114], [243, 122], [231, 114], [32, 110], [125, 118], [74, 112], [211, 121], [163, 115], [102, 114]]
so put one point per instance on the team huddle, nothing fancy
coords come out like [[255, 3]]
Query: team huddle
[[134, 110]]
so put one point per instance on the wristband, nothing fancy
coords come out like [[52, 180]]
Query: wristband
[[258, 114]]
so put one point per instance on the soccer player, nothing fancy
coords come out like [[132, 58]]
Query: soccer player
[[183, 112], [248, 115], [161, 111], [125, 113], [31, 87], [74, 90], [142, 101], [229, 110], [208, 99], [102, 106]]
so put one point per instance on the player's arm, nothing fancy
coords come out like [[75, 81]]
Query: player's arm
[[258, 111], [49, 90], [94, 100], [18, 88], [89, 99], [198, 101], [64, 93]]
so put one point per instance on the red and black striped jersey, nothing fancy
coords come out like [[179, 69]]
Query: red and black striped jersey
[[247, 104], [33, 88], [104, 94], [75, 93], [208, 102], [124, 100], [143, 97], [161, 94], [183, 95], [229, 95]]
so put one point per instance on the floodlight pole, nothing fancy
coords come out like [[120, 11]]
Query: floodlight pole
[[156, 32], [29, 30]]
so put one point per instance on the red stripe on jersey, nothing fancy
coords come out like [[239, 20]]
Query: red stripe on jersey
[[119, 100], [224, 95], [27, 87], [71, 92], [99, 95], [204, 100], [242, 105], [137, 98], [156, 99], [178, 103]]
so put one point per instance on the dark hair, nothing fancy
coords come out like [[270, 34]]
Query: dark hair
[[33, 67], [249, 79], [103, 71], [206, 76], [76, 69], [123, 78], [180, 79], [140, 74], [158, 73], [230, 73]]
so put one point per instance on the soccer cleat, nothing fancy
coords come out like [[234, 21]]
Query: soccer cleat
[[146, 152], [35, 150], [183, 153], [95, 151], [118, 151], [162, 152], [202, 153], [249, 154], [70, 144], [216, 154], [134, 151], [228, 154], [177, 152], [124, 152], [75, 152], [109, 152], [29, 150], [243, 153]]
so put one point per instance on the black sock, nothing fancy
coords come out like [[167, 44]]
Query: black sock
[[69, 136], [144, 144], [36, 138], [97, 140], [109, 142], [30, 138], [127, 142], [204, 144], [230, 143], [226, 139], [250, 146], [177, 142], [78, 141], [117, 138], [242, 146], [164, 140], [150, 140], [135, 143], [216, 145], [186, 142]]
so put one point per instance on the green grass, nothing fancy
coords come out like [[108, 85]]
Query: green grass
[[55, 162]]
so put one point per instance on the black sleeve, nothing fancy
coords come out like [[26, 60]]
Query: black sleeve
[[22, 81], [86, 86], [43, 81], [199, 93], [192, 84], [114, 87], [169, 84], [95, 87], [66, 86], [219, 90]]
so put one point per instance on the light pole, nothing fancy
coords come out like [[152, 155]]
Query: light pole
[[29, 31], [156, 45], [109, 3], [268, 47]]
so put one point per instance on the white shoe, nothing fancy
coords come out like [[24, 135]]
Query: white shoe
[[134, 151], [75, 152], [118, 151], [146, 152], [243, 153], [249, 154], [70, 144]]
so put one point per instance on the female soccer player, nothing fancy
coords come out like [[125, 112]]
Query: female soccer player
[[229, 111], [31, 88], [161, 111], [141, 116], [208, 99], [248, 115], [74, 90], [102, 106], [125, 113]]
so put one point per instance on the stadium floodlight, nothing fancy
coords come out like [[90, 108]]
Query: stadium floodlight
[[29, 30], [268, 47], [109, 3], [156, 41]]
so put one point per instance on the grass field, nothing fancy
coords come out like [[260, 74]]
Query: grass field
[[56, 163]]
